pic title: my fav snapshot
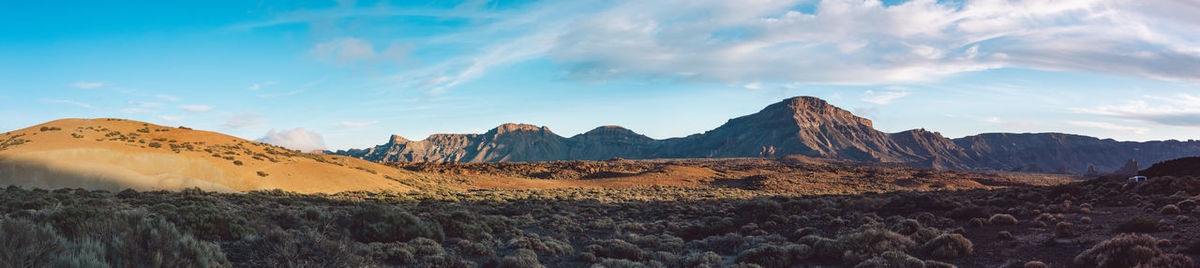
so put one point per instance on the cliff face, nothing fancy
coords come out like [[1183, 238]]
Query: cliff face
[[796, 126]]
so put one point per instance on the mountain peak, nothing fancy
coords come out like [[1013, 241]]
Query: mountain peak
[[396, 139], [514, 127], [609, 129]]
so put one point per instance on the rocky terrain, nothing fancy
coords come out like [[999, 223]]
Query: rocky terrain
[[1104, 222], [797, 126]]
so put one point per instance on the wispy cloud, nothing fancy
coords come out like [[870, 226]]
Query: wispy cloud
[[171, 119], [167, 97], [1178, 110], [1109, 126], [837, 42], [244, 120], [82, 84], [257, 86], [350, 50], [884, 97], [1011, 123], [134, 110], [143, 104], [69, 102], [350, 124], [196, 108]]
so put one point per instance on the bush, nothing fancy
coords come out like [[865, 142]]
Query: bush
[[949, 246], [523, 258], [1169, 210], [154, 145], [394, 253], [376, 223], [1140, 224], [139, 240], [871, 242], [775, 256], [618, 249], [1002, 219], [976, 222], [890, 259], [1063, 230], [293, 248], [28, 244], [1125, 250], [1035, 264]]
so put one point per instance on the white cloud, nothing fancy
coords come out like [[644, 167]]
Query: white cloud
[[349, 124], [257, 86], [840, 42], [69, 102], [82, 84], [295, 139], [1109, 126], [167, 97], [196, 108], [1178, 110], [134, 110], [146, 104], [884, 97], [349, 50], [1011, 123], [244, 120], [171, 119]]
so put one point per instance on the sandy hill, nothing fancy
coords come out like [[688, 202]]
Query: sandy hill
[[114, 154]]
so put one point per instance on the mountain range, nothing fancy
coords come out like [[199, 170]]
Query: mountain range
[[805, 126]]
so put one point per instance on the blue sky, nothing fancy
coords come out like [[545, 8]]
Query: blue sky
[[329, 74]]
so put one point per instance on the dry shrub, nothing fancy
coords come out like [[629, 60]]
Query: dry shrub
[[1128, 250], [1005, 235], [871, 242], [376, 223], [823, 248], [890, 259], [618, 249], [523, 258], [976, 222], [1063, 230], [949, 246], [446, 261], [1169, 210], [906, 227], [1169, 261], [769, 255], [279, 248], [394, 253], [705, 259], [1002, 219], [1140, 224], [28, 244]]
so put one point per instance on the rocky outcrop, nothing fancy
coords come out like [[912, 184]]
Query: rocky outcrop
[[1129, 169], [804, 126], [1182, 167]]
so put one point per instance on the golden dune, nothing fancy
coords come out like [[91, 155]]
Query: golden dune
[[115, 154]]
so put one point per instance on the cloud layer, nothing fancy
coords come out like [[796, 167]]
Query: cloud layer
[[1179, 110], [295, 139], [827, 41]]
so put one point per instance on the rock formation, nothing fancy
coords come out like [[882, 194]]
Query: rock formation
[[804, 126]]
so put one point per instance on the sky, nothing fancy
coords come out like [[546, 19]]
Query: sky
[[347, 74]]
